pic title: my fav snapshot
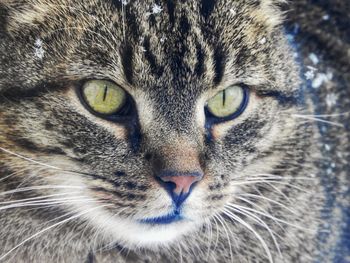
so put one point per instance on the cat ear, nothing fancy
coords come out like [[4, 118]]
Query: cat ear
[[22, 13], [271, 12]]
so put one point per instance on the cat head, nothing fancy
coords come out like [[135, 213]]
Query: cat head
[[149, 116]]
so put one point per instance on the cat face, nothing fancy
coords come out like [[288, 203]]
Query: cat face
[[165, 165]]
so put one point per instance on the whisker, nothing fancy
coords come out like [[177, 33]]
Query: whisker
[[257, 235], [269, 182], [180, 252], [266, 214], [48, 228], [221, 221], [279, 177], [217, 233], [36, 198], [279, 191], [293, 186], [210, 236], [46, 165], [318, 119], [28, 159], [258, 220], [48, 202], [262, 211], [326, 115], [270, 200], [41, 187], [12, 174]]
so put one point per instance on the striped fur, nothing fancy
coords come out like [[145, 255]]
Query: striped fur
[[170, 56]]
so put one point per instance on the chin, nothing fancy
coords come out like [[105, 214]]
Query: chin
[[149, 232]]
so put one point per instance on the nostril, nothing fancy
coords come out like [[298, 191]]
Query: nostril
[[168, 185], [179, 183]]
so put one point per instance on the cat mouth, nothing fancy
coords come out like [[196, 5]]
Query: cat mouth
[[172, 217]]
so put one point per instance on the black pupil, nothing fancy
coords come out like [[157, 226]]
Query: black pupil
[[105, 93]]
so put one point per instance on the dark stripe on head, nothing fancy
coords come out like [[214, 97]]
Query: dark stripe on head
[[117, 3], [151, 58], [3, 18], [242, 55], [152, 20], [127, 61], [207, 7], [133, 29], [219, 63], [184, 25], [171, 11], [199, 68]]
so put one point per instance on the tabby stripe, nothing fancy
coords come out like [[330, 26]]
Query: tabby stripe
[[207, 7], [127, 61], [184, 26], [32, 147], [132, 26], [219, 58], [171, 12], [151, 58], [117, 4], [19, 92], [199, 68]]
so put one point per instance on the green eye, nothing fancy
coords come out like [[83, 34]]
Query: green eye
[[103, 96], [228, 103]]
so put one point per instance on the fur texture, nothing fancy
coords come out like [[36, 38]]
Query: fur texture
[[74, 187]]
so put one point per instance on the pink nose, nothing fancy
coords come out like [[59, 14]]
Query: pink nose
[[183, 183]]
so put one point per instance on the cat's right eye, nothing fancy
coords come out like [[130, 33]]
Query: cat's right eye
[[227, 104], [103, 97]]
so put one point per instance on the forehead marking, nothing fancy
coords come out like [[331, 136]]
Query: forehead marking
[[151, 58], [127, 61], [219, 58], [207, 7]]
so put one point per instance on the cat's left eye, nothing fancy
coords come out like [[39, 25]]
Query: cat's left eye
[[228, 103], [103, 97]]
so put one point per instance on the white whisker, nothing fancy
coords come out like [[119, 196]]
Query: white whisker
[[48, 228], [318, 119], [48, 202], [258, 220], [266, 214], [28, 159], [262, 241], [41, 187], [221, 221], [325, 115], [36, 198], [270, 200]]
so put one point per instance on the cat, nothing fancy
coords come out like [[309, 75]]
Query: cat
[[173, 131]]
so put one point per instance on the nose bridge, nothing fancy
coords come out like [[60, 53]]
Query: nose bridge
[[176, 112], [179, 155]]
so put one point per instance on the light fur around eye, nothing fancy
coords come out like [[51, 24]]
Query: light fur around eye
[[103, 96]]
